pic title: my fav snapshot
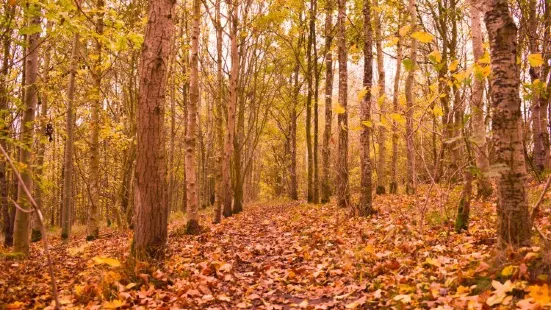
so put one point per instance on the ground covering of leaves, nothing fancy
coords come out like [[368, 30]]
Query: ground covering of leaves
[[296, 256]]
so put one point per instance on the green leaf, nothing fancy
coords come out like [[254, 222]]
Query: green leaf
[[408, 64]]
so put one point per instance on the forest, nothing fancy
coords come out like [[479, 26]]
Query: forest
[[275, 154]]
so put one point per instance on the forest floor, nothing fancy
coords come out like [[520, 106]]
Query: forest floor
[[292, 255]]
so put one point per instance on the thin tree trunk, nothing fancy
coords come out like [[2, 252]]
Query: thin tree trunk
[[8, 219], [219, 195], [68, 164], [150, 178], [326, 147], [343, 192], [395, 108], [22, 219], [191, 134], [92, 230], [293, 134], [232, 104], [477, 102], [309, 94], [381, 100], [513, 225], [410, 147], [316, 181], [365, 208]]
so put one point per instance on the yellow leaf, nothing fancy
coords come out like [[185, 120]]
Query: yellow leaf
[[113, 304], [453, 65], [435, 56], [485, 59], [111, 277], [362, 93], [508, 271], [540, 294], [432, 261], [391, 41], [399, 118], [106, 260], [368, 124], [422, 36], [381, 100], [339, 109], [437, 111], [535, 60], [404, 30]]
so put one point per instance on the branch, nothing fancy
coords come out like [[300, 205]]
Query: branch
[[42, 226]]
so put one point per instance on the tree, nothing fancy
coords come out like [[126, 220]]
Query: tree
[[231, 107], [326, 148], [68, 163], [381, 100], [191, 132], [343, 192], [309, 95], [477, 104], [94, 216], [365, 207], [395, 106], [513, 225], [22, 216], [410, 147], [150, 184]]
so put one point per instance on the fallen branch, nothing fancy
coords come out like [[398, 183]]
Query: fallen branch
[[537, 205], [42, 226]]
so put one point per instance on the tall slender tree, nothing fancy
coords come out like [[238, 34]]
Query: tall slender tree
[[150, 184], [22, 217], [343, 191], [381, 101], [365, 207], [326, 146], [410, 147]]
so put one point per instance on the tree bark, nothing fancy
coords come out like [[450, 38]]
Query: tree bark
[[7, 210], [232, 104], [22, 219], [513, 225], [343, 191], [395, 106], [191, 134], [68, 163], [149, 192], [219, 195], [381, 100], [326, 146], [477, 102], [365, 207], [410, 147]]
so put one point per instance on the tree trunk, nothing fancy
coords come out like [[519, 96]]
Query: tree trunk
[[477, 102], [343, 192], [410, 147], [21, 226], [381, 100], [68, 164], [395, 108], [365, 208], [36, 231], [5, 207], [513, 225], [326, 146], [149, 192], [92, 230], [293, 134], [191, 134], [219, 195], [309, 94], [232, 104], [316, 182]]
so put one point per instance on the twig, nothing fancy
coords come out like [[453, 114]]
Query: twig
[[42, 226], [537, 205]]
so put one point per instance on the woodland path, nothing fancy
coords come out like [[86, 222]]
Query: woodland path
[[277, 256]]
